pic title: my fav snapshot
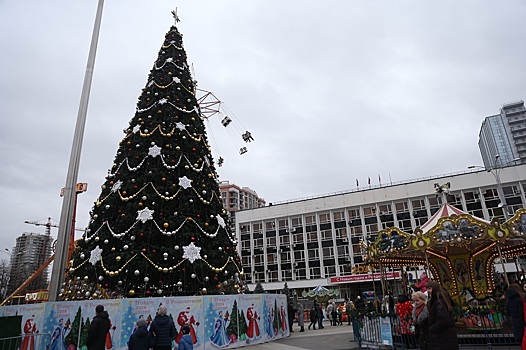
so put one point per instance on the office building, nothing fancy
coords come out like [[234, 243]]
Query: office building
[[237, 198], [316, 241], [504, 134], [30, 253]]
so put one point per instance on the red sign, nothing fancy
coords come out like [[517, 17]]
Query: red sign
[[364, 277]]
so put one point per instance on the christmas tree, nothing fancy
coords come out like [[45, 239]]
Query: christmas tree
[[158, 226], [233, 326]]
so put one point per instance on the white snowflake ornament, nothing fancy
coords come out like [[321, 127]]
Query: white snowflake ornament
[[180, 126], [95, 255], [192, 252], [116, 186], [136, 128], [185, 182], [220, 221], [145, 215], [154, 151], [176, 80]]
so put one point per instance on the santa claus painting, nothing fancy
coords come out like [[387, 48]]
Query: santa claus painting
[[186, 318], [253, 326]]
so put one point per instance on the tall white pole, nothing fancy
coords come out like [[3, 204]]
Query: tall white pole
[[66, 216]]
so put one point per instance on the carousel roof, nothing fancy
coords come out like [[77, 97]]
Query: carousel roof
[[449, 231]]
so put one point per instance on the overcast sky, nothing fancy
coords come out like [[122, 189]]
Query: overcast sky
[[332, 91]]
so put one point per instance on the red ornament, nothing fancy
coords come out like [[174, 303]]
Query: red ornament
[[198, 215], [227, 248], [154, 251], [193, 238], [141, 234], [193, 149], [215, 278]]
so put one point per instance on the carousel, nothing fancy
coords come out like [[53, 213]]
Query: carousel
[[458, 250]]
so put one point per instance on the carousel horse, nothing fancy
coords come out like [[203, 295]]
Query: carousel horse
[[472, 300]]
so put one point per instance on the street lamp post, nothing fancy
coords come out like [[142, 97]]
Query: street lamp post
[[495, 171]]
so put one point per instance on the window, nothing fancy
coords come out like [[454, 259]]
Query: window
[[341, 232], [345, 270], [273, 276], [297, 238], [258, 259], [244, 228], [285, 257], [286, 275], [272, 258], [343, 251], [315, 272], [271, 241], [246, 260], [245, 245], [258, 243], [299, 256], [371, 229], [418, 204], [354, 214], [284, 240], [385, 208], [312, 237], [313, 254], [270, 225], [310, 219], [369, 211], [401, 207], [301, 274], [330, 271], [283, 223], [328, 252], [257, 227], [356, 231], [259, 276], [325, 217], [296, 222], [338, 216], [326, 235]]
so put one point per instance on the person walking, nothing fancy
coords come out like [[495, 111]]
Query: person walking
[[320, 317], [330, 309], [301, 321], [515, 308], [442, 331], [348, 310], [291, 311], [421, 320], [186, 342], [140, 338], [313, 316], [98, 329], [162, 330]]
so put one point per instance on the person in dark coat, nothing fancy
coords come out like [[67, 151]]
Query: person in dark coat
[[442, 331], [421, 320], [98, 329], [162, 330], [313, 316], [291, 311], [186, 342], [515, 307], [140, 338]]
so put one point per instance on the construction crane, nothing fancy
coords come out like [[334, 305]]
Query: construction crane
[[48, 224]]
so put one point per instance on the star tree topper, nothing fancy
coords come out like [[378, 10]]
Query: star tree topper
[[192, 252]]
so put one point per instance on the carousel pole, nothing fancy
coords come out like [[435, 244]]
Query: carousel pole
[[503, 267], [427, 265], [374, 287]]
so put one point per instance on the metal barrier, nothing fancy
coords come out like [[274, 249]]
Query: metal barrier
[[476, 329], [40, 340]]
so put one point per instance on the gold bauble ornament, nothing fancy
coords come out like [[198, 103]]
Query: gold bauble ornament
[[97, 239], [203, 185], [219, 285], [163, 179], [124, 193], [236, 286], [186, 167], [196, 165], [118, 258], [177, 148], [112, 274], [95, 295], [206, 224], [113, 249], [165, 225], [131, 292], [165, 270], [140, 204]]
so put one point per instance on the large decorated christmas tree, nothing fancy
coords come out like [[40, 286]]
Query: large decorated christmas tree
[[158, 226]]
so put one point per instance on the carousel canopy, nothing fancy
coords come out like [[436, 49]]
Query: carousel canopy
[[450, 231]]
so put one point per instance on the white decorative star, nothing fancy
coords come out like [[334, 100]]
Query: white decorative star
[[95, 255], [154, 151], [169, 59], [176, 80], [192, 252], [136, 128], [162, 101], [145, 215], [220, 221], [180, 126], [116, 186], [185, 182]]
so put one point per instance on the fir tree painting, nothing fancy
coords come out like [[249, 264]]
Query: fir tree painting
[[158, 227]]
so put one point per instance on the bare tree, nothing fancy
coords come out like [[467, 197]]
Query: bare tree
[[4, 278]]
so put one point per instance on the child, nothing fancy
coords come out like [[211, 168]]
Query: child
[[186, 340]]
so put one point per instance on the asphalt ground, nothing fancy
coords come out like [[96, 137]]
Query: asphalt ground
[[328, 338]]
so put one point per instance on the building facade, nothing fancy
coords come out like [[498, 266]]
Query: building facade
[[237, 198], [30, 253], [317, 241], [504, 134]]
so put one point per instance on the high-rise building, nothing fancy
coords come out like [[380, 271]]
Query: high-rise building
[[237, 198], [314, 241], [504, 134], [30, 253]]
